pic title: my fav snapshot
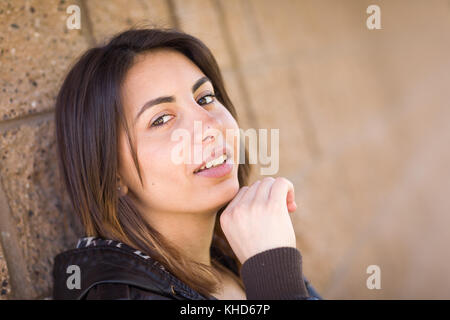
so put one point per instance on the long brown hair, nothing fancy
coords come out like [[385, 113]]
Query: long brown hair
[[88, 115]]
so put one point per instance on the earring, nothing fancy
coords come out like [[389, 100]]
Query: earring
[[118, 188]]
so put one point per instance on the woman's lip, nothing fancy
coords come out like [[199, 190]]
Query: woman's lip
[[217, 154], [217, 172]]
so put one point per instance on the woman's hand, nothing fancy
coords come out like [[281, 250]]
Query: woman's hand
[[257, 219]]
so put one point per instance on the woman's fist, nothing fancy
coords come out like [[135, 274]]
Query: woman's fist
[[257, 219]]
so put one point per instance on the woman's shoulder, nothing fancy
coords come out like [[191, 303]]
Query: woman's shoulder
[[122, 291], [96, 265]]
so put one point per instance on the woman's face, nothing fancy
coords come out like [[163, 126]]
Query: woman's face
[[169, 183]]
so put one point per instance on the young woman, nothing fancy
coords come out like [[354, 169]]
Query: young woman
[[157, 228]]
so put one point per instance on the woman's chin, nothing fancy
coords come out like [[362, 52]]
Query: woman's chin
[[220, 195], [230, 191]]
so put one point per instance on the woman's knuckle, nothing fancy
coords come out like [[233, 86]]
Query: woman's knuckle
[[278, 182], [224, 215], [234, 210], [257, 182], [244, 207], [283, 181], [280, 179], [268, 179], [223, 221]]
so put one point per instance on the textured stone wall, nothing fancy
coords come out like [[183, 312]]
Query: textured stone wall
[[363, 118]]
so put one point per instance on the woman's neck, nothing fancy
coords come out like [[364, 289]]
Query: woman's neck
[[191, 233]]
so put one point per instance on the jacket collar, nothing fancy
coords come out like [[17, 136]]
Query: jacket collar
[[107, 261]]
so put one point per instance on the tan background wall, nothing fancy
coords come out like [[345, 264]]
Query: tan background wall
[[363, 117]]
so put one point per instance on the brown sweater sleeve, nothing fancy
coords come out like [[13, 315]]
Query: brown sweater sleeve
[[274, 274]]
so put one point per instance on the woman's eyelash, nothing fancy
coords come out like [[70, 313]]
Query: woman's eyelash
[[208, 95], [160, 125], [164, 123]]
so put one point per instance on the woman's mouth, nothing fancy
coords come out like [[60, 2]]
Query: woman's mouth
[[215, 168]]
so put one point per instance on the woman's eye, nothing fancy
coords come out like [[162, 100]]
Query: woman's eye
[[206, 99], [161, 120]]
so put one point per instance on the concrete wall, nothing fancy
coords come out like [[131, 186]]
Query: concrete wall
[[363, 118]]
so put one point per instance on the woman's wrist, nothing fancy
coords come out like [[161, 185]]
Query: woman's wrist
[[274, 274]]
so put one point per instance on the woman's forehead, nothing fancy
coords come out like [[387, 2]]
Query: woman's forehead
[[160, 73], [157, 73], [163, 64]]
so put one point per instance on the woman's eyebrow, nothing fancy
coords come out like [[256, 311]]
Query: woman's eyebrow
[[199, 82], [167, 99]]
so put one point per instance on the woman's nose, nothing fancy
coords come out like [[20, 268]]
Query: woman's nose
[[210, 123]]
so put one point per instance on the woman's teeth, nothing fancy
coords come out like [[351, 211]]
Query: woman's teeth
[[214, 163]]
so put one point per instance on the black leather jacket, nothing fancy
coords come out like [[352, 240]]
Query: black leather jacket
[[109, 269]]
